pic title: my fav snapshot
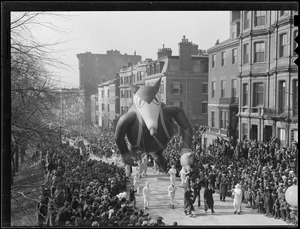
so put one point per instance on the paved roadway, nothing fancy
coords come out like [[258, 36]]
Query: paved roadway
[[159, 206]]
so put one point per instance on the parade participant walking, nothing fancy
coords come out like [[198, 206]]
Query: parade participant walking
[[155, 167], [237, 201], [139, 167], [144, 164], [223, 187], [171, 191], [136, 183], [208, 198], [172, 171], [196, 189], [146, 195], [183, 174], [188, 202]]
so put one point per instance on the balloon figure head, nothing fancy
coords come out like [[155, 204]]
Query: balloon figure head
[[147, 101]]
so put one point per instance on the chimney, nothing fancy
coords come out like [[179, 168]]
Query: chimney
[[186, 50], [164, 52]]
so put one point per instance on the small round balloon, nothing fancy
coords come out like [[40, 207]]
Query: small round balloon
[[291, 196]]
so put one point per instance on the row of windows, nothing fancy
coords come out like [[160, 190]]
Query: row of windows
[[223, 119], [259, 18], [259, 51], [223, 88], [132, 78], [259, 95], [176, 88]]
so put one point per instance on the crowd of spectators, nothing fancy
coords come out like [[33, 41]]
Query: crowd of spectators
[[79, 191]]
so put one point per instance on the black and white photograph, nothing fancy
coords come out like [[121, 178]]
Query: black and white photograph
[[149, 114]]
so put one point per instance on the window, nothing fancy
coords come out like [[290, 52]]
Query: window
[[245, 94], [246, 19], [281, 133], [212, 118], [282, 12], [162, 88], [204, 88], [283, 45], [246, 54], [245, 130], [176, 88], [222, 58], [234, 56], [295, 97], [213, 88], [281, 96], [260, 17], [102, 94], [204, 107], [213, 60], [102, 106], [223, 119], [259, 52], [295, 34], [258, 94], [234, 31], [223, 85], [233, 88]]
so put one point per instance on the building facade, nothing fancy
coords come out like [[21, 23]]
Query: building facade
[[223, 93], [263, 71], [184, 79], [268, 76], [95, 69]]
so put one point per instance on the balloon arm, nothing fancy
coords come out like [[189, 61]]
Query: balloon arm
[[121, 130], [179, 116]]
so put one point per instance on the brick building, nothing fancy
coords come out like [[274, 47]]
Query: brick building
[[223, 93], [266, 79], [184, 79]]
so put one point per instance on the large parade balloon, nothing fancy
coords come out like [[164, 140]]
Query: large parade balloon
[[291, 196], [149, 126]]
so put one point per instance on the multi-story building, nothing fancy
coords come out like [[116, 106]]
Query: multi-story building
[[131, 74], [268, 76], [223, 93], [95, 110], [95, 69], [184, 79]]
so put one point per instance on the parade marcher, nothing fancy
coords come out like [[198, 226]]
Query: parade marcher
[[208, 198], [188, 202], [136, 183], [132, 198], [146, 195], [196, 189], [144, 164], [171, 192], [183, 174], [223, 187], [139, 167], [237, 201], [172, 171]]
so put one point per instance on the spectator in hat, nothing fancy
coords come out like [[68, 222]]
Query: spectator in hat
[[171, 193], [146, 195], [132, 198], [208, 197], [237, 201], [268, 202], [159, 221]]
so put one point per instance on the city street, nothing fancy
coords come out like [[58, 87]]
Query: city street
[[159, 206]]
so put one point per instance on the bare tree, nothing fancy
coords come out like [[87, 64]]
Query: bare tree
[[34, 93]]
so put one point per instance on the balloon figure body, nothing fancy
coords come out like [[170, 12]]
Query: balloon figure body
[[149, 126]]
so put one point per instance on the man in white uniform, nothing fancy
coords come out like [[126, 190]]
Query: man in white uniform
[[171, 191], [237, 201], [146, 194], [172, 172], [136, 183]]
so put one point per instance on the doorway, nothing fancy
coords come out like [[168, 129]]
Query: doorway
[[254, 132]]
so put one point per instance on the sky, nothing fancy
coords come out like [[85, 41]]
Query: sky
[[143, 32]]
